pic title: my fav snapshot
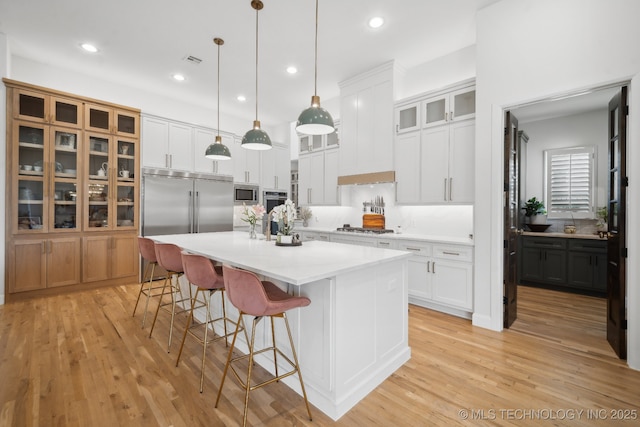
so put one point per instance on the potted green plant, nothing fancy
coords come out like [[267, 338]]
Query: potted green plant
[[534, 210]]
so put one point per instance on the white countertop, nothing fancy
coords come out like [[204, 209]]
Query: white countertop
[[395, 236], [296, 264]]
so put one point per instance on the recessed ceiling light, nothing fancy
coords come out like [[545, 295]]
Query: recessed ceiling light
[[241, 98], [376, 22], [89, 47], [178, 77], [292, 70]]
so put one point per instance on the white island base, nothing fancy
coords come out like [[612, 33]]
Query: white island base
[[352, 336]]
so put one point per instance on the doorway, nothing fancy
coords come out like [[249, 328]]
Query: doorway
[[532, 132]]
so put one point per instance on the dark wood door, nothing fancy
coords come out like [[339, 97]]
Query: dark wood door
[[616, 243], [511, 218]]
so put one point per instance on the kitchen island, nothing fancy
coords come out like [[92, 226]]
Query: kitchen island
[[355, 332]]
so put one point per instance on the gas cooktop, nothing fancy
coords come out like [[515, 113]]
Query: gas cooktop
[[363, 230]]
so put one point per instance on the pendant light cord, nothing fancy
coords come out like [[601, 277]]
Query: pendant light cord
[[218, 89], [315, 80], [257, 10]]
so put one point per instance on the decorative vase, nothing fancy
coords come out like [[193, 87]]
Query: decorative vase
[[285, 240], [305, 222], [252, 231], [538, 219]]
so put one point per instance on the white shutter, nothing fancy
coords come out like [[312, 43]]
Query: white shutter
[[570, 181]]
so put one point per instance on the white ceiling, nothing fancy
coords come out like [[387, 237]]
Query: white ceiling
[[144, 42]]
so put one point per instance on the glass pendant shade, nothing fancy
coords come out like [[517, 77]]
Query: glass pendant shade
[[256, 138], [315, 120], [218, 151]]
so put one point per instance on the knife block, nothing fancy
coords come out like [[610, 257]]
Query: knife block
[[373, 221]]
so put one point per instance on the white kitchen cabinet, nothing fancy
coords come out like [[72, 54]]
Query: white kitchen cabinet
[[408, 118], [440, 276], [408, 167], [246, 163], [436, 165], [310, 143], [202, 138], [318, 178], [276, 168], [306, 236], [155, 142], [452, 271], [420, 277], [366, 122], [350, 239], [449, 107]]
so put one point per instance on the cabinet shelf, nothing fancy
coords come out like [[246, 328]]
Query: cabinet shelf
[[31, 173], [30, 202], [66, 175], [98, 177], [66, 149], [65, 203], [99, 153], [31, 145]]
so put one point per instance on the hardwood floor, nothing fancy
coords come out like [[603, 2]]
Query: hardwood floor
[[81, 360]]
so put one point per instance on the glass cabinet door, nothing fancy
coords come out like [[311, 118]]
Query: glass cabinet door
[[316, 142], [407, 118], [305, 144], [64, 167], [463, 104], [30, 160], [125, 201], [126, 124], [436, 111], [37, 107], [99, 171]]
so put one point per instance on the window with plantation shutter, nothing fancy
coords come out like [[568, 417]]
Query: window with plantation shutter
[[570, 184]]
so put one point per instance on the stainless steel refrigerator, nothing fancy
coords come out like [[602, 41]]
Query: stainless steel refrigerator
[[180, 203]]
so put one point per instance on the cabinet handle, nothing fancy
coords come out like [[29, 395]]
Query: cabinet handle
[[412, 249], [445, 189], [451, 253], [446, 116], [450, 188], [275, 180], [428, 266], [397, 128], [42, 247], [383, 243], [433, 267], [451, 115]]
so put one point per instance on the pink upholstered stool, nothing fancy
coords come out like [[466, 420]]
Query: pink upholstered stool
[[208, 280], [170, 258], [148, 253], [259, 299]]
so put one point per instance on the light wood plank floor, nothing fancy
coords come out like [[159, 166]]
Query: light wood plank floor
[[82, 360]]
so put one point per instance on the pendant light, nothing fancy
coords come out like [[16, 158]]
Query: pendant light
[[217, 150], [315, 120], [256, 138]]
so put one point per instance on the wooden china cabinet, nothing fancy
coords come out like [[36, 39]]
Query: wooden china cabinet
[[72, 192]]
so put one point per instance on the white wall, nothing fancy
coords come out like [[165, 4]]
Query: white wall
[[529, 50], [580, 130]]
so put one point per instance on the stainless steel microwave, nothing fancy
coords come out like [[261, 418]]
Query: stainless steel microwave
[[243, 193]]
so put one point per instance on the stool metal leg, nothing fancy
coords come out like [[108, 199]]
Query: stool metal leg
[[164, 286], [295, 359]]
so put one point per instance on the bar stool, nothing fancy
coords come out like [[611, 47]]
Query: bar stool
[[259, 299], [201, 273], [169, 257], [148, 253]]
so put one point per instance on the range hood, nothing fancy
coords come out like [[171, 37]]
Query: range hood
[[367, 178]]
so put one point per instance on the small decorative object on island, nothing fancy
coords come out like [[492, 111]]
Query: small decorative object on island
[[285, 216], [535, 211], [305, 215], [252, 216]]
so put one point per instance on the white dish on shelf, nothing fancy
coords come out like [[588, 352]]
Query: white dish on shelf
[[69, 171]]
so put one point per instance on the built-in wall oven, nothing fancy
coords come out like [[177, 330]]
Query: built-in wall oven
[[271, 200], [247, 194]]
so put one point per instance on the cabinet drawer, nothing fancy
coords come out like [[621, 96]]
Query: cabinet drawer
[[387, 244], [417, 248], [458, 253], [587, 245], [544, 242]]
